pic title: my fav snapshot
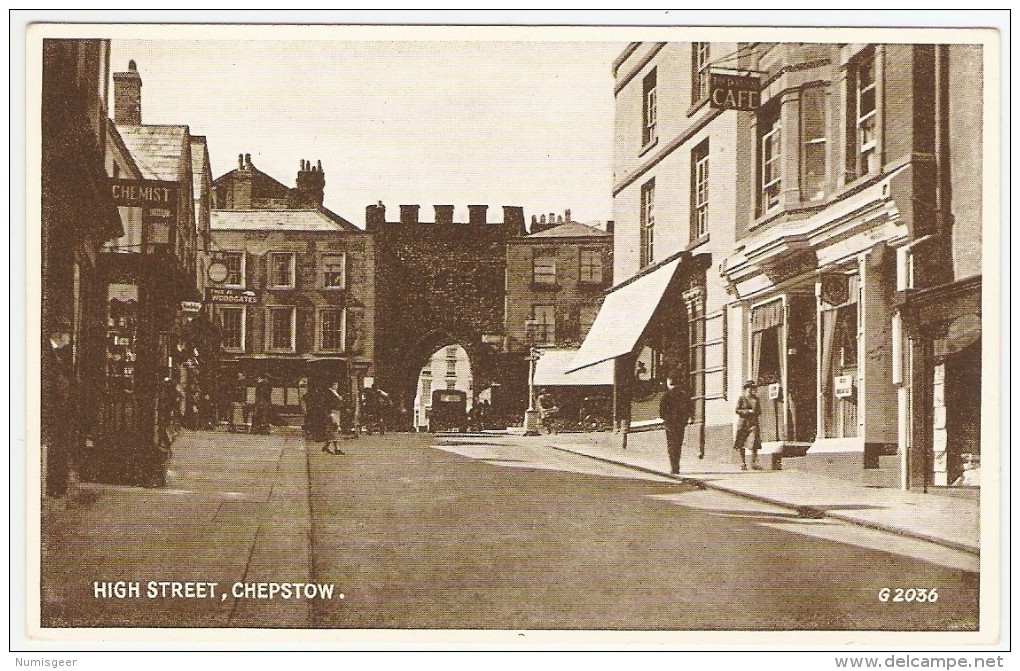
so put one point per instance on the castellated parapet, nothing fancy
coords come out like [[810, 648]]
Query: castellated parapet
[[512, 224]]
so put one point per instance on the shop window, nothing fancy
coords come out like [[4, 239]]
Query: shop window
[[647, 251], [334, 271], [813, 143], [649, 109], [769, 159], [699, 72], [332, 329], [280, 329], [281, 270], [839, 355], [862, 113], [232, 327], [591, 266], [699, 191]]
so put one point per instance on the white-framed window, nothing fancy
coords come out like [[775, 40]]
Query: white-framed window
[[699, 191], [647, 251], [233, 326], [770, 157], [332, 329], [281, 270], [545, 324], [543, 269], [699, 72], [235, 263], [281, 328], [862, 108], [334, 271], [649, 108], [591, 266]]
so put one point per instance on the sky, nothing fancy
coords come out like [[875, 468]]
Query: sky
[[430, 123]]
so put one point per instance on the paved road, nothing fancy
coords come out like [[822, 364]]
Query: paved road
[[484, 533]]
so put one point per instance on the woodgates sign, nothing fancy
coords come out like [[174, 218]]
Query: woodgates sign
[[731, 91]]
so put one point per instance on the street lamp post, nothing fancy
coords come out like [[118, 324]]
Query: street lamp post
[[531, 415]]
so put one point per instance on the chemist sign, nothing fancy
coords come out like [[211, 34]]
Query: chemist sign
[[147, 193], [734, 91]]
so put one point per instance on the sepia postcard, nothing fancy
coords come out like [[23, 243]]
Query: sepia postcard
[[515, 336]]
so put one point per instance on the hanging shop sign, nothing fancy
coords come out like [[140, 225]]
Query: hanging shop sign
[[191, 306], [232, 296], [734, 90], [843, 386], [774, 391]]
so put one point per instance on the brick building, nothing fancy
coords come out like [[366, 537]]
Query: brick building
[[297, 303]]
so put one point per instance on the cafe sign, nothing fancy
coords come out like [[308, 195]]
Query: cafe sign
[[734, 91]]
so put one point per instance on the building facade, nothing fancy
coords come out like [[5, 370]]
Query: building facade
[[795, 209], [296, 302], [156, 340], [555, 280], [78, 215], [676, 207]]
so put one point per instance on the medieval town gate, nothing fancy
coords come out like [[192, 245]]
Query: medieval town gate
[[439, 283]]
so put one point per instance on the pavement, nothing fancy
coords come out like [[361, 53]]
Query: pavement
[[950, 521], [250, 496], [235, 509]]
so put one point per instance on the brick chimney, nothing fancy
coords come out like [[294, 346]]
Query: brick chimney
[[375, 216], [310, 186], [127, 97], [513, 221]]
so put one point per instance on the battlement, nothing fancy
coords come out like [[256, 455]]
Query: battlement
[[513, 218]]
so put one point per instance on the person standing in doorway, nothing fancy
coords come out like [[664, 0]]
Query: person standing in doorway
[[748, 409], [675, 411], [59, 408]]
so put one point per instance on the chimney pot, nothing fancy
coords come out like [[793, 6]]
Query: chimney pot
[[566, 215], [240, 161], [610, 225]]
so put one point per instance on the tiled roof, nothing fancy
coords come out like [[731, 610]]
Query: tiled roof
[[274, 220], [572, 230], [156, 149]]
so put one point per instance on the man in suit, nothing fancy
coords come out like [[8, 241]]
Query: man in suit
[[675, 411], [748, 409]]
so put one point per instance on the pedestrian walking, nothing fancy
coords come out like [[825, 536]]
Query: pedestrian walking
[[548, 411], [263, 403], [675, 411], [331, 406], [749, 409]]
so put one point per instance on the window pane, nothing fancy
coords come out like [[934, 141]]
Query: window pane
[[332, 329], [280, 270], [333, 271], [231, 321], [544, 270], [280, 328], [591, 266]]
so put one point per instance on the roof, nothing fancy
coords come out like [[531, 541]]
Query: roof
[[156, 149], [572, 229], [275, 220]]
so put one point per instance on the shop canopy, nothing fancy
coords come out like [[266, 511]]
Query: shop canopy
[[551, 370], [624, 316]]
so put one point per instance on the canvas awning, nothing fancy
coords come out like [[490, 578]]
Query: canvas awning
[[624, 315], [551, 370]]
